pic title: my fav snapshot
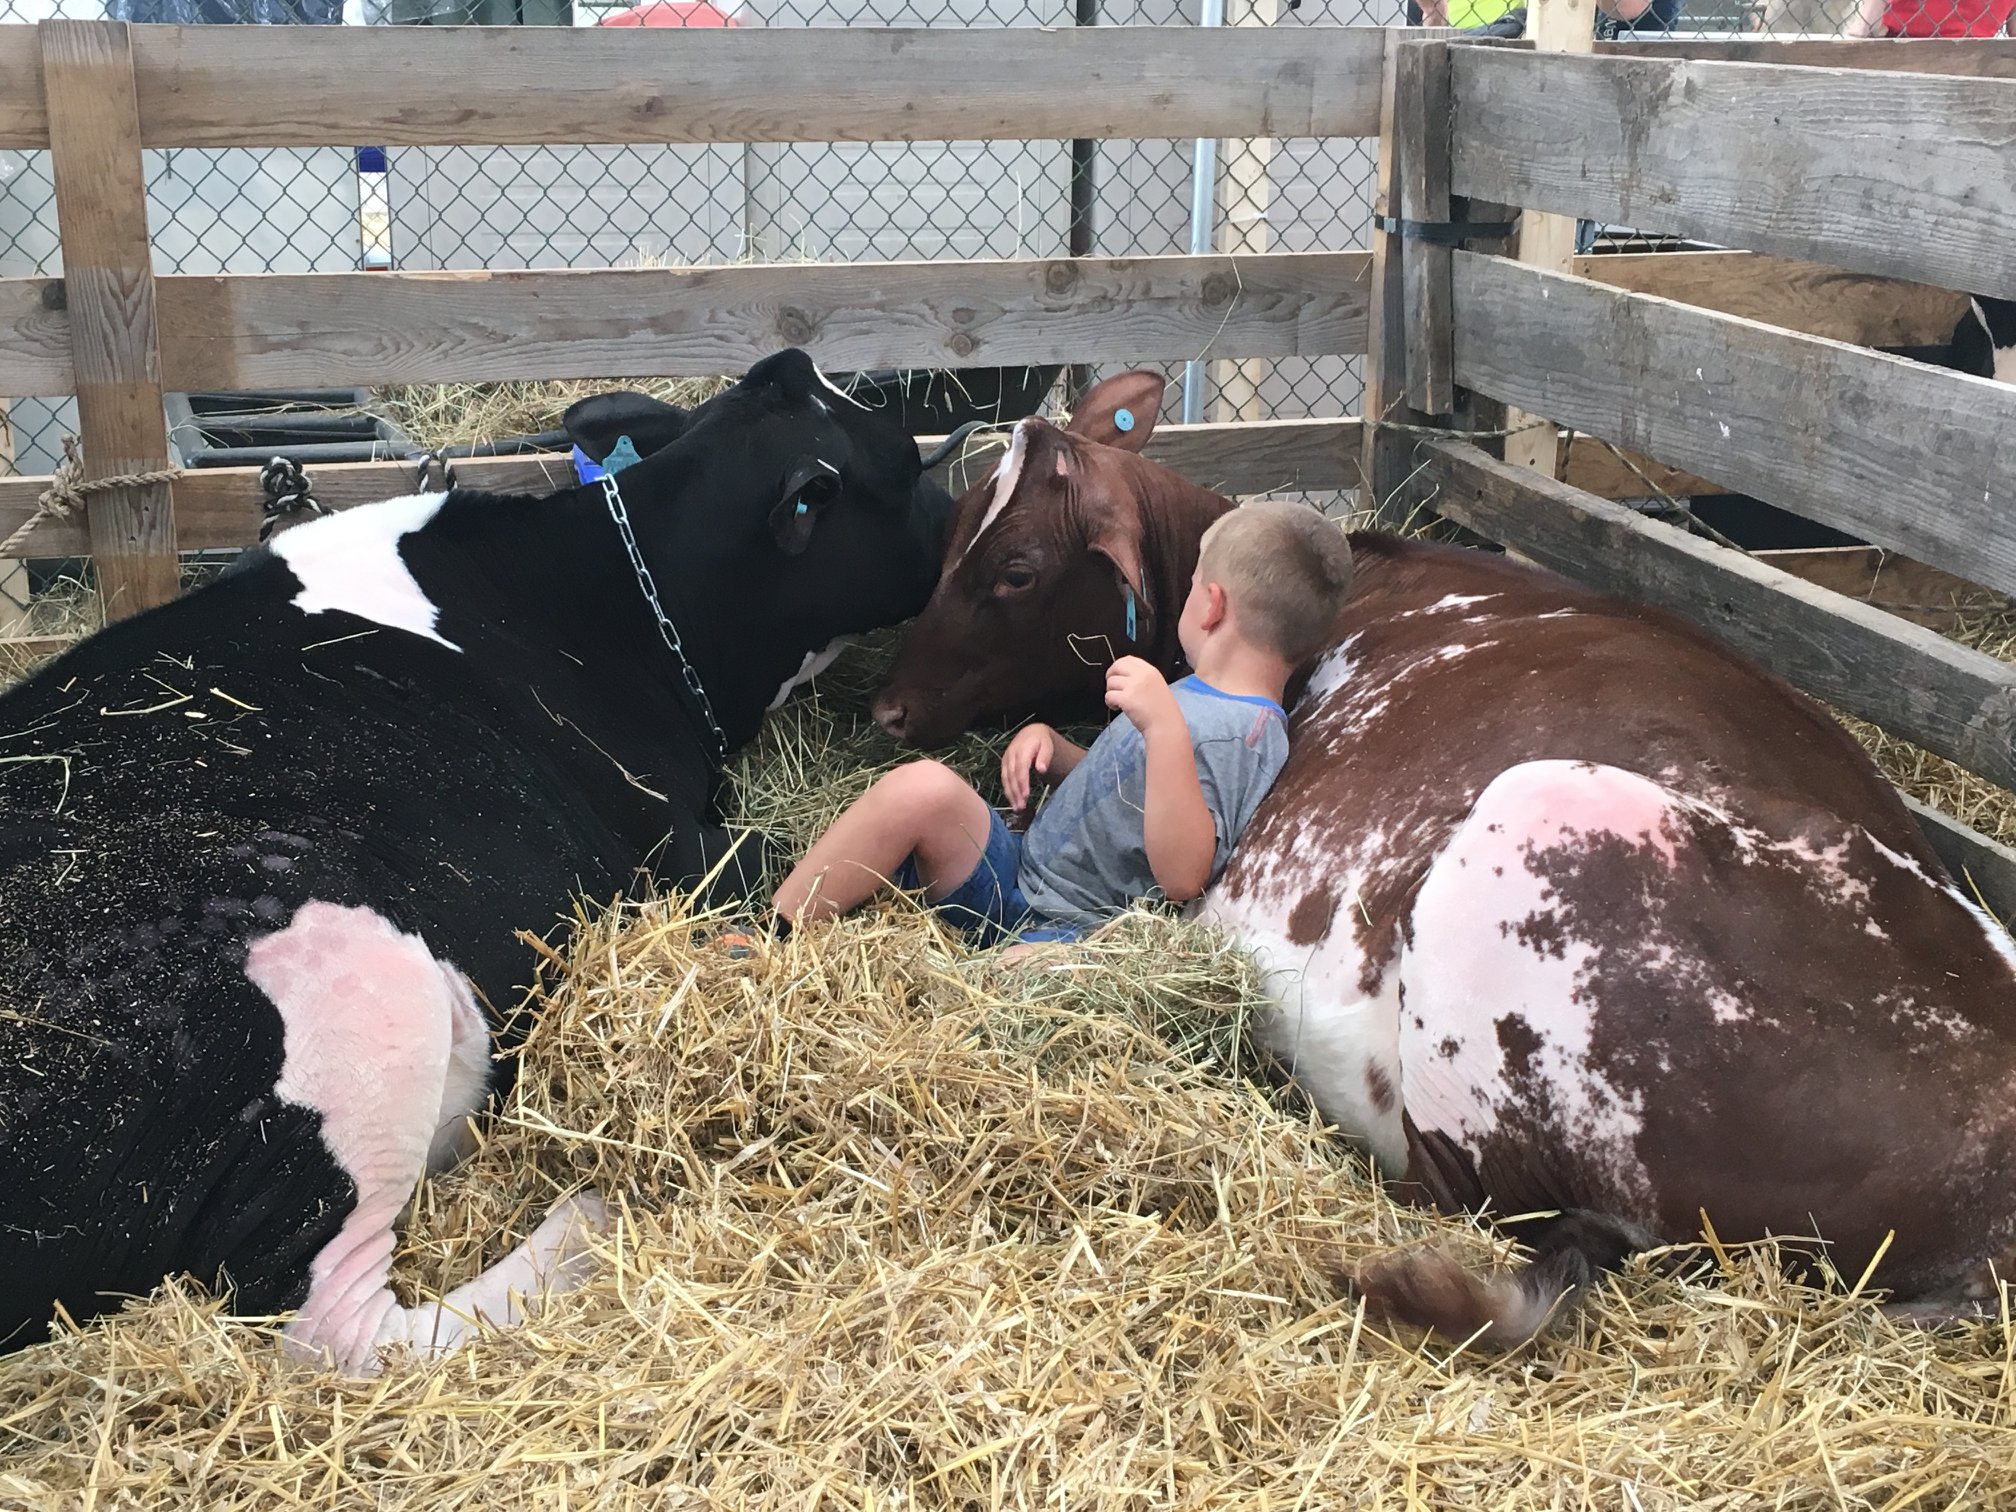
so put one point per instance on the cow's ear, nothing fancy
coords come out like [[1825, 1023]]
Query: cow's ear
[[1120, 411], [809, 488], [598, 422], [1120, 543]]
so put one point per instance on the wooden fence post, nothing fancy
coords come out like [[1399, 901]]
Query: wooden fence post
[[1248, 196], [108, 280], [1548, 241], [1421, 101], [1388, 467]]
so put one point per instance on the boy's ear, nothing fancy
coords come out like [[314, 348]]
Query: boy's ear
[[1215, 603]]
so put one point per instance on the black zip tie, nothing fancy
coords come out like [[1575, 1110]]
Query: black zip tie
[[1444, 233]]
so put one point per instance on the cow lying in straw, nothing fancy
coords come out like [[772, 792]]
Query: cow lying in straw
[[1563, 907], [265, 851]]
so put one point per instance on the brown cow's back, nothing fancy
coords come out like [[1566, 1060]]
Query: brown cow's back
[[1752, 999]]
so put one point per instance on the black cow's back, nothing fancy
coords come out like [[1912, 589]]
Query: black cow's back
[[173, 789]]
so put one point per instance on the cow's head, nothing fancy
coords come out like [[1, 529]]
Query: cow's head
[[776, 517], [1076, 551]]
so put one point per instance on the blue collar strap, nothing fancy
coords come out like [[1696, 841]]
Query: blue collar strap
[[1132, 631]]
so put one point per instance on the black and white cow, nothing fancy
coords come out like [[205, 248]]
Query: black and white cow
[[1984, 342], [264, 851]]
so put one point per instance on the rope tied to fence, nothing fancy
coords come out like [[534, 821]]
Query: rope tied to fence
[[69, 490], [288, 492]]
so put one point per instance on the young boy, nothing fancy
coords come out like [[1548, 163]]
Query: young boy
[[1157, 800]]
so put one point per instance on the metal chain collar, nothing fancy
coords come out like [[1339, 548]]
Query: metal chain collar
[[667, 631]]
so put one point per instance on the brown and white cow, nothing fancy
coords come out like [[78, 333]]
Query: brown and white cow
[[1563, 907]]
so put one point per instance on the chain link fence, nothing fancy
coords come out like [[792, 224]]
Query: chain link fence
[[330, 209]]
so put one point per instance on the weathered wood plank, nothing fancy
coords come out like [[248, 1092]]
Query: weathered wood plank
[[1895, 584], [1783, 291], [1596, 467], [1908, 175], [101, 208], [218, 508], [1389, 419], [289, 330], [34, 338], [1901, 454], [24, 119], [1809, 297], [1545, 241], [1971, 57], [1955, 702], [1422, 99], [287, 87], [1984, 868]]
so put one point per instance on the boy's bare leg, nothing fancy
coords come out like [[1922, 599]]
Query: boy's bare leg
[[923, 809]]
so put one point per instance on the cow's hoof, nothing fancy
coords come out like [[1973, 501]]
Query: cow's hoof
[[562, 1247]]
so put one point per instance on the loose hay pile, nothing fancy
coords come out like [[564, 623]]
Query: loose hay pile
[[1973, 800], [899, 1230], [449, 414]]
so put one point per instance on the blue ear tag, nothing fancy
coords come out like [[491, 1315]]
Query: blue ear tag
[[801, 506], [1131, 636], [1123, 421], [621, 455]]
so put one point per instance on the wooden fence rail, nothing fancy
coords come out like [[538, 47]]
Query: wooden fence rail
[[268, 330], [261, 86], [1907, 455], [1907, 175], [1953, 701], [326, 328]]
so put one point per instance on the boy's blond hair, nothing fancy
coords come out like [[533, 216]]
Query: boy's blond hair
[[1286, 568]]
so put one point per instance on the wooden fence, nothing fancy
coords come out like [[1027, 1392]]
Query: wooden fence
[[1744, 367]]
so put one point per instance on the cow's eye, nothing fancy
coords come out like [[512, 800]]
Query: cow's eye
[[1016, 577]]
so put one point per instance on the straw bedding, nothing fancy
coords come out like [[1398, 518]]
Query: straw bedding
[[900, 1228]]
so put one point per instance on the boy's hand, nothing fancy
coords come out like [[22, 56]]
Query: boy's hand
[[1140, 692], [1028, 756]]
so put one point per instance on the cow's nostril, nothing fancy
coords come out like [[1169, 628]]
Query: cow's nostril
[[893, 717]]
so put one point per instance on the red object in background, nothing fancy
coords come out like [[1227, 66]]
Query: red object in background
[[1947, 18], [669, 13]]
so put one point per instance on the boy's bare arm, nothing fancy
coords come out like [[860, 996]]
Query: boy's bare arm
[[1177, 829]]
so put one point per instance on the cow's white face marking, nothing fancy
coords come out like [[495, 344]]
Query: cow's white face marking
[[815, 662], [351, 562], [1007, 473]]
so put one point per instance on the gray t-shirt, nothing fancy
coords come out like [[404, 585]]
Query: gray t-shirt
[[1085, 857]]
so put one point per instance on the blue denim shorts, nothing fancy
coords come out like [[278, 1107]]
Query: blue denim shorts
[[988, 906]]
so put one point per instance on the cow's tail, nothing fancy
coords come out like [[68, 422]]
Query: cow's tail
[[1429, 1288]]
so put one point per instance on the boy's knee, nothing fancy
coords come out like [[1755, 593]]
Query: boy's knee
[[926, 784]]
